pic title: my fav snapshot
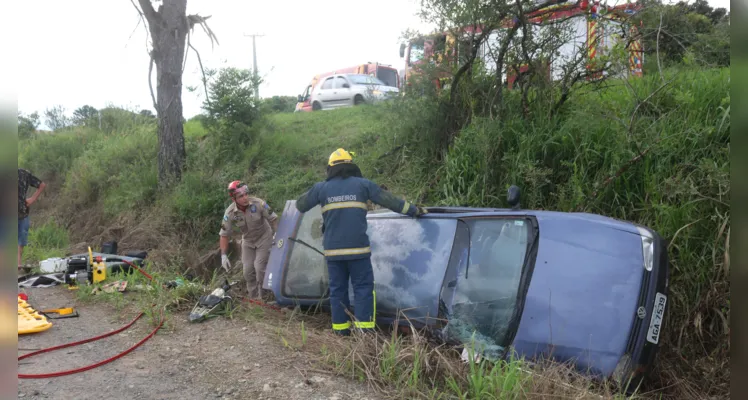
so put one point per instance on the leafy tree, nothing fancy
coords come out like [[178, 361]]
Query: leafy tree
[[86, 115], [231, 97], [55, 118], [231, 110], [671, 32], [27, 125]]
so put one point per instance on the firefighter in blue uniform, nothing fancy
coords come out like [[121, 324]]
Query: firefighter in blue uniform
[[343, 196]]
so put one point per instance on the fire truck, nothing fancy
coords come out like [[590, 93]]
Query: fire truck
[[596, 27], [385, 73]]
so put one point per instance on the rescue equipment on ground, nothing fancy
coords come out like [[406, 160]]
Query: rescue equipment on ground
[[207, 304], [68, 312], [88, 367], [95, 267], [30, 320]]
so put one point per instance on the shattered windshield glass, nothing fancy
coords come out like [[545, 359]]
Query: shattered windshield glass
[[485, 295]]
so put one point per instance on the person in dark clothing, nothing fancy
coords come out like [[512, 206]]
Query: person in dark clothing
[[26, 179], [343, 197]]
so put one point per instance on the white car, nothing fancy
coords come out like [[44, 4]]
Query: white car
[[343, 90]]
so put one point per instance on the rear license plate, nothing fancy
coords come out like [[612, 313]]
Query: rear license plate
[[658, 313]]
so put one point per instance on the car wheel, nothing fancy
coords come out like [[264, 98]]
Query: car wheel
[[316, 106], [358, 100]]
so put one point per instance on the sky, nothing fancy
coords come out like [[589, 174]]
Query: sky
[[93, 52]]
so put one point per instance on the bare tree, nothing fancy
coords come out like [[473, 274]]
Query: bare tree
[[169, 28]]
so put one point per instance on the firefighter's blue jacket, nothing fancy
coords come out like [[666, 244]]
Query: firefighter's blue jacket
[[343, 202]]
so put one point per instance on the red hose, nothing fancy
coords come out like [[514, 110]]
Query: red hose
[[138, 268], [261, 304], [100, 363], [86, 368]]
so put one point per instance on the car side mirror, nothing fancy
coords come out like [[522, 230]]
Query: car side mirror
[[345, 85], [513, 196], [402, 50]]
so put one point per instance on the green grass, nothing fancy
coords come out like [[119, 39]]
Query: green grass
[[47, 240]]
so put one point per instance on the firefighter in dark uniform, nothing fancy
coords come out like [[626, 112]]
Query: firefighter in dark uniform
[[343, 197]]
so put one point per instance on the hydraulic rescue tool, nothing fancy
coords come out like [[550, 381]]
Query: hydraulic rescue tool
[[207, 304]]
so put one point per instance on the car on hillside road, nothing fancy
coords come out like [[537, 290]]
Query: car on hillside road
[[573, 287], [345, 90]]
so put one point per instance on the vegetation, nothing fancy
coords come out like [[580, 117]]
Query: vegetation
[[694, 31], [653, 150]]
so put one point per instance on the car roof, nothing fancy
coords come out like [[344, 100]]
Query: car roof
[[452, 212]]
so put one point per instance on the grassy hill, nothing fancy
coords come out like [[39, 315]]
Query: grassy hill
[[659, 158]]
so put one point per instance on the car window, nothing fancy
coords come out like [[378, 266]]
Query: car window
[[327, 84], [307, 92], [485, 296], [339, 82], [365, 80], [306, 273], [409, 258]]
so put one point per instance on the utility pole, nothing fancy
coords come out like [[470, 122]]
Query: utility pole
[[254, 62]]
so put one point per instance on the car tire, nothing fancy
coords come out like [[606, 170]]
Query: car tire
[[316, 106], [358, 100]]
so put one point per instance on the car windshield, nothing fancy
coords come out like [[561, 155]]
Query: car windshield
[[365, 80], [485, 298]]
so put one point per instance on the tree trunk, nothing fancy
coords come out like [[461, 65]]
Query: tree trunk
[[168, 27]]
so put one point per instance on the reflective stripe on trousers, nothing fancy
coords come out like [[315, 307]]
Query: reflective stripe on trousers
[[347, 252]]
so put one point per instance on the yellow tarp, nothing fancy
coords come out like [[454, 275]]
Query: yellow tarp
[[29, 320]]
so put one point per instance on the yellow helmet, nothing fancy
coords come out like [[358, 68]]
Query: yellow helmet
[[340, 156]]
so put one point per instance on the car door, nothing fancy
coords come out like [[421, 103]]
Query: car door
[[325, 93], [409, 259], [485, 285], [342, 92]]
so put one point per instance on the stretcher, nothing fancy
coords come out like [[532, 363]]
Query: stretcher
[[29, 320]]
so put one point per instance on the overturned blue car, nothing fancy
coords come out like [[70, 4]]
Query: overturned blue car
[[573, 287]]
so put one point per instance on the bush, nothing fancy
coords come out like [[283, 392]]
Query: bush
[[117, 168]]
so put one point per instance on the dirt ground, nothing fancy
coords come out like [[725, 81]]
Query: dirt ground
[[218, 358]]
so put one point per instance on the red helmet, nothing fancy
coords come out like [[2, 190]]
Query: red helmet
[[234, 186]]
